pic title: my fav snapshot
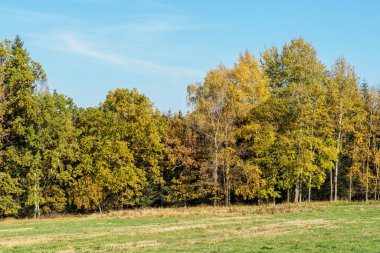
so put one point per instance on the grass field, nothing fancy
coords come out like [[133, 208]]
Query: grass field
[[318, 227]]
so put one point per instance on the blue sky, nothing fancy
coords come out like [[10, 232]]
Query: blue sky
[[89, 47]]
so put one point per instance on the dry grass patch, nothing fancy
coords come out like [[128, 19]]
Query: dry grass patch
[[67, 251], [132, 245], [15, 230], [8, 242], [209, 211], [271, 229]]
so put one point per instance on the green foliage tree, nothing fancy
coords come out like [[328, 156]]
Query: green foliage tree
[[141, 126], [9, 192], [121, 148], [106, 176], [58, 148]]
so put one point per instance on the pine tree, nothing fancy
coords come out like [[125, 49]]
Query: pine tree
[[20, 144]]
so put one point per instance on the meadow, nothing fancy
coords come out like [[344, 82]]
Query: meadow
[[314, 227]]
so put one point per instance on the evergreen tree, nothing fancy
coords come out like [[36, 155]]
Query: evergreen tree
[[20, 151]]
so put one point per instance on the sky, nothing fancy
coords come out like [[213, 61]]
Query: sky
[[89, 47]]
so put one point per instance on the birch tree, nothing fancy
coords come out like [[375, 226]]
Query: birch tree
[[344, 102]]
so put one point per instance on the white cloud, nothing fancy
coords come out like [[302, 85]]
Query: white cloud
[[32, 16], [149, 25], [71, 43], [85, 38]]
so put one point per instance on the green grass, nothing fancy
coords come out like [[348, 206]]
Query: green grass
[[318, 227]]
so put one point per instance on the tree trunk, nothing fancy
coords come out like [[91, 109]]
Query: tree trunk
[[215, 175], [350, 190], [367, 185], [309, 195], [120, 201], [377, 181], [35, 206], [227, 184], [229, 194], [296, 192], [367, 178], [288, 195], [337, 161], [38, 202], [336, 182], [331, 186], [300, 190], [367, 164], [36, 198], [161, 198]]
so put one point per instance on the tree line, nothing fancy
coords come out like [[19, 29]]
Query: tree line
[[282, 127]]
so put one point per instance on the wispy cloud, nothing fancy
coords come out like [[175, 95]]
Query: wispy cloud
[[32, 16], [71, 43], [134, 39], [151, 26]]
